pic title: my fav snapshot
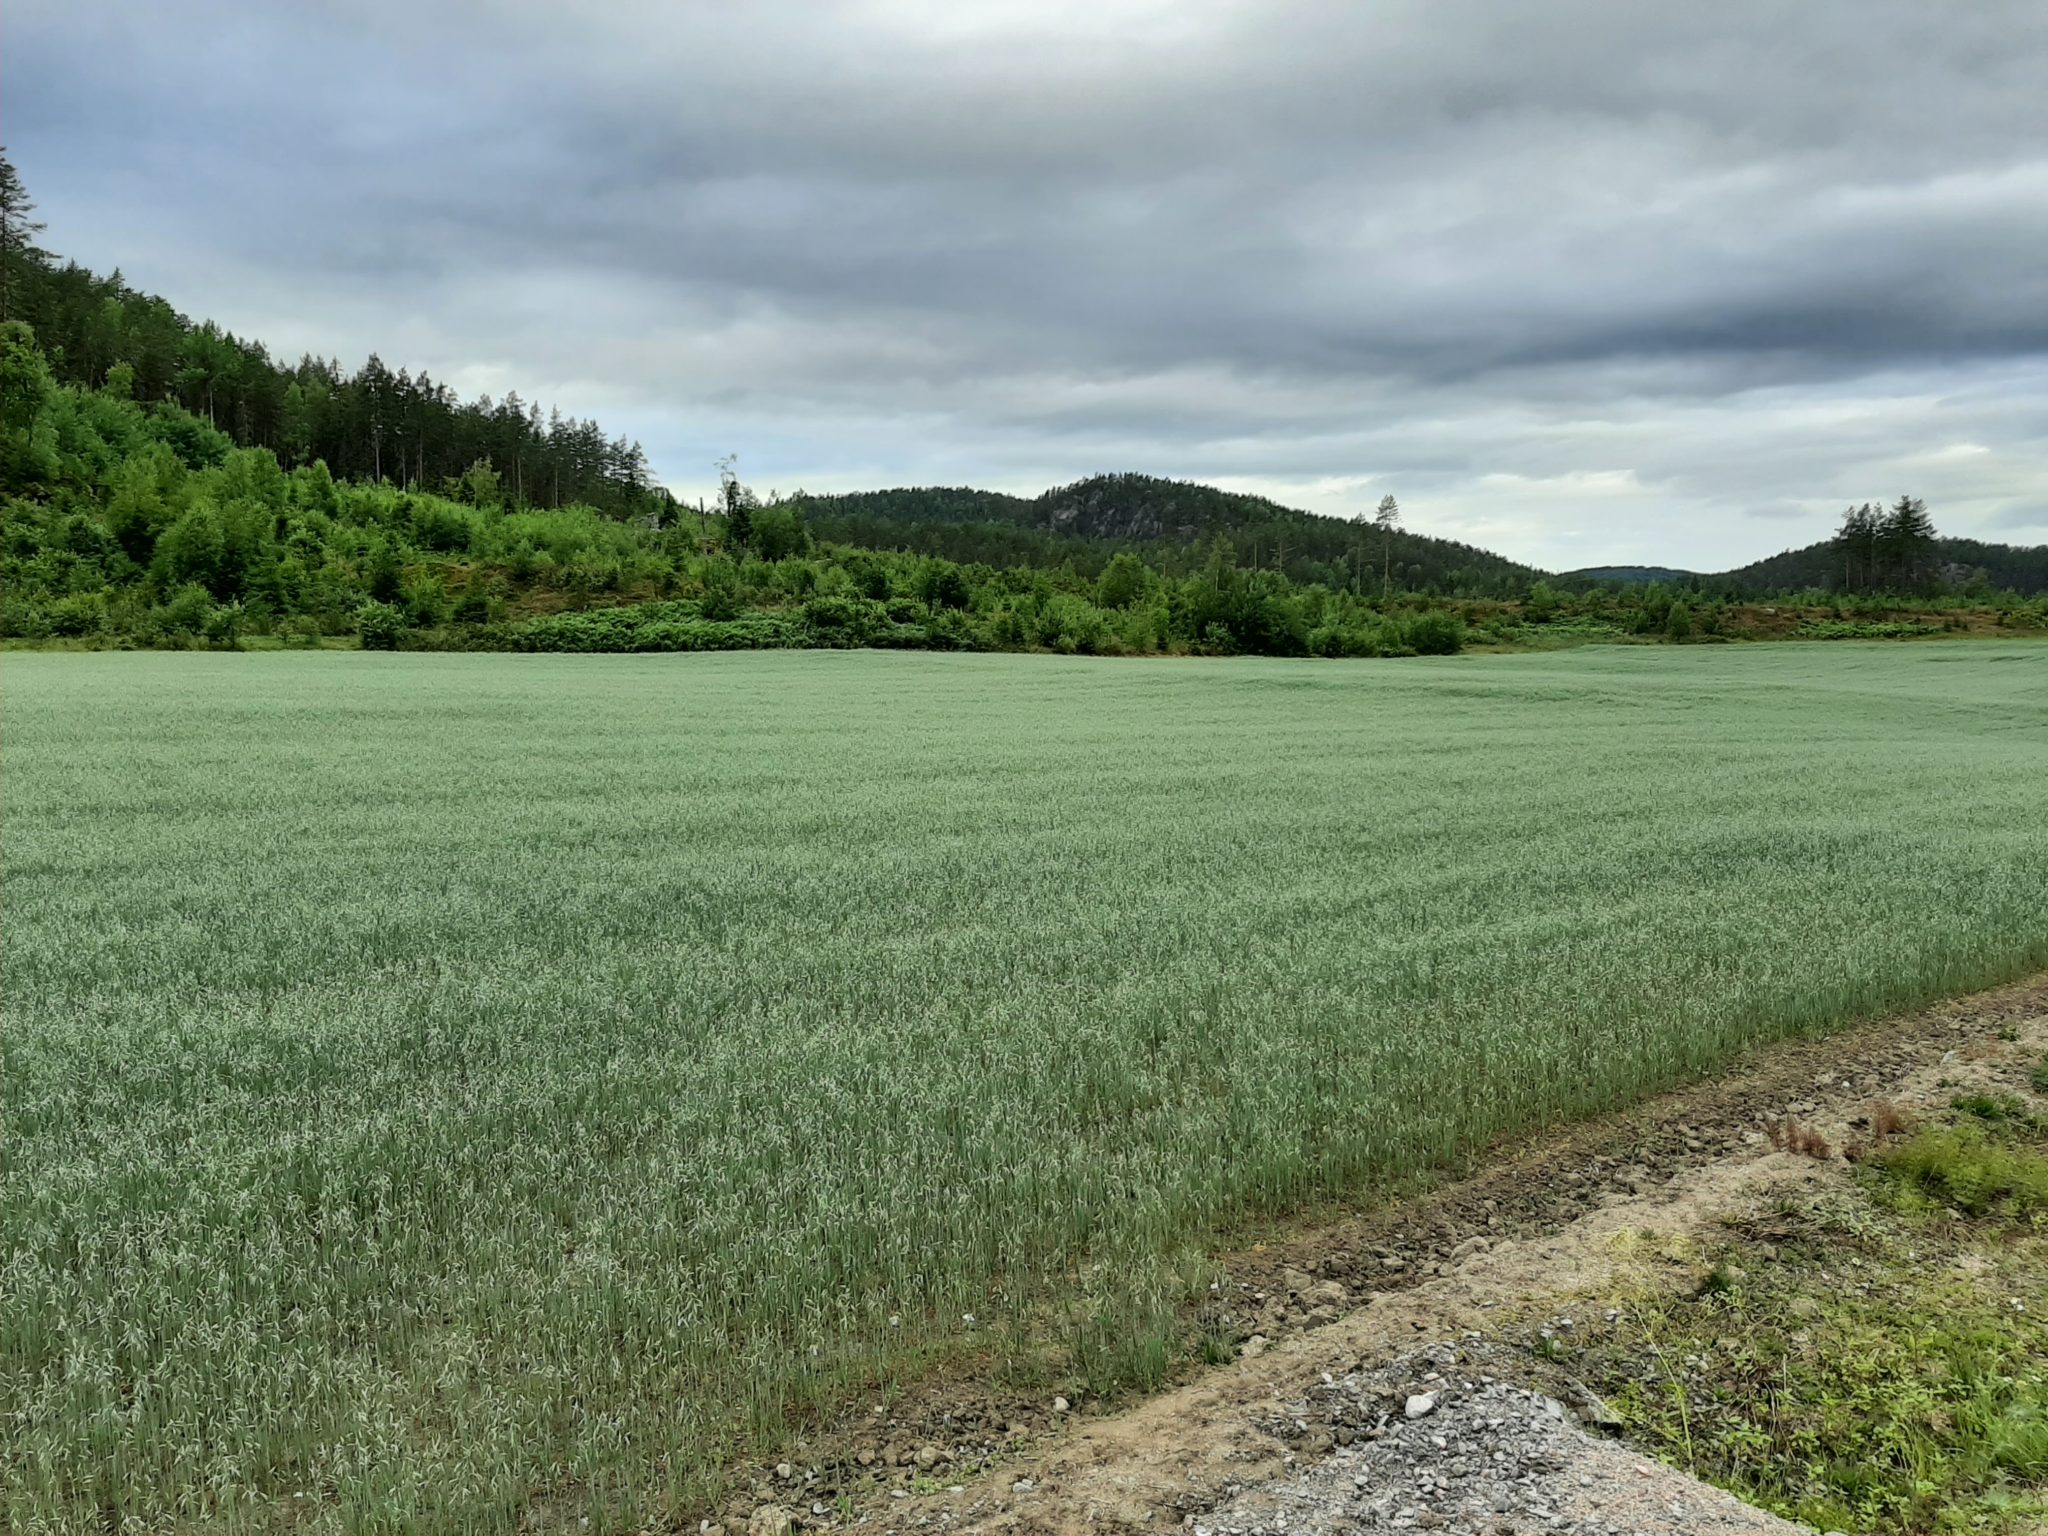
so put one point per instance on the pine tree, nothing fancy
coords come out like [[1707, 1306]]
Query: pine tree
[[1387, 518], [18, 233], [736, 501], [1856, 546]]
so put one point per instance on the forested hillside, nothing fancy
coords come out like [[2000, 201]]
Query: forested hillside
[[403, 428], [1964, 565], [131, 523], [1171, 523]]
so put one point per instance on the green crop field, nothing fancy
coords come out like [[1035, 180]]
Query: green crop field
[[449, 1091]]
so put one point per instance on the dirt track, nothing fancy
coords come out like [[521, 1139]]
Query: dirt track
[[1628, 1199]]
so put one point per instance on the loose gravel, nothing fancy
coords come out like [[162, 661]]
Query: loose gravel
[[1433, 1442]]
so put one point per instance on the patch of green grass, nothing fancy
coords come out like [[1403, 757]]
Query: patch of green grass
[[1862, 1360], [447, 1091], [2000, 1109], [1965, 1167]]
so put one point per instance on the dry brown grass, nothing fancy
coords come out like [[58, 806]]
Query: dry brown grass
[[1788, 1135]]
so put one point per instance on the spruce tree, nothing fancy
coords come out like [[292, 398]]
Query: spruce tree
[[1907, 544], [18, 231]]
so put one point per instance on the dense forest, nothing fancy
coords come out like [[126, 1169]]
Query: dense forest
[[1846, 564], [164, 483], [402, 428], [1175, 525]]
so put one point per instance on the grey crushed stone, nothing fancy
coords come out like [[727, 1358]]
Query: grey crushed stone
[[1489, 1459]]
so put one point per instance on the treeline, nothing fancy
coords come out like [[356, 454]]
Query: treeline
[[1878, 550], [1173, 525], [126, 522], [1871, 552], [163, 484], [403, 428]]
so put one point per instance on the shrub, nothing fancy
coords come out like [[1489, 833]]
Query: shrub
[[474, 606], [1434, 634], [82, 613], [1338, 640], [188, 609], [224, 626], [20, 620], [425, 602], [379, 625], [844, 620]]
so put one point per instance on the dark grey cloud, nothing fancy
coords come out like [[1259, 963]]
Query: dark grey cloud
[[1589, 281]]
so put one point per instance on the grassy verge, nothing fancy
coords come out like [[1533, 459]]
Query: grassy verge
[[1871, 1358]]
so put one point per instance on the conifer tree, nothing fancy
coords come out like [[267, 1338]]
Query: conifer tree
[[18, 231]]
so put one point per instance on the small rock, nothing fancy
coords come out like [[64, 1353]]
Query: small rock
[[1060, 1405], [927, 1457], [1467, 1248], [1421, 1405], [770, 1520], [1252, 1347], [1591, 1410], [784, 1471]]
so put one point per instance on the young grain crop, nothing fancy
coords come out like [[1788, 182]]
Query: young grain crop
[[447, 1091]]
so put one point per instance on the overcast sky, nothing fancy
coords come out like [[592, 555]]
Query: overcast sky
[[1585, 281]]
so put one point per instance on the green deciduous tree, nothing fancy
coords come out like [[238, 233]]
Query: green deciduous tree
[[1123, 581]]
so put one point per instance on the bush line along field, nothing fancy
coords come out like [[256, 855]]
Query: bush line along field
[[446, 1091], [132, 524]]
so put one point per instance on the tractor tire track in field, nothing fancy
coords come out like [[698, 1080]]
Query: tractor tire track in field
[[1343, 1323]]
